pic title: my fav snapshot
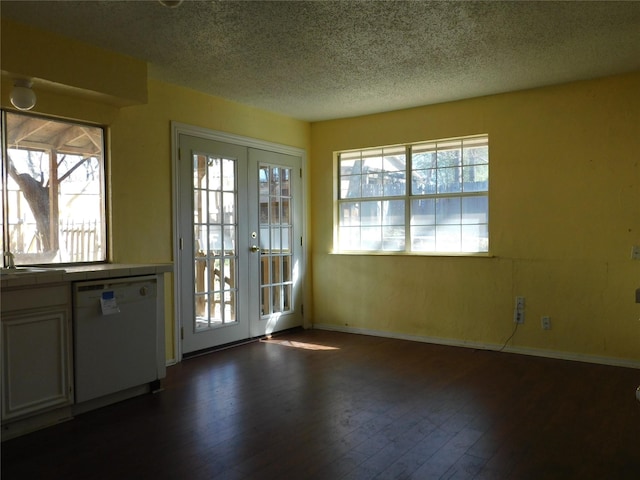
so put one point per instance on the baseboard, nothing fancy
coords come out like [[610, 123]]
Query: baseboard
[[453, 342], [17, 428]]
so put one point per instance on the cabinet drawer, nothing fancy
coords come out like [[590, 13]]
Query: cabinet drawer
[[35, 297]]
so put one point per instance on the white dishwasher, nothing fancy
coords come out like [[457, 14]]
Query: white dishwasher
[[115, 335]]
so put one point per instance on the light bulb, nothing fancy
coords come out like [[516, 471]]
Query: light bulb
[[22, 97], [171, 3]]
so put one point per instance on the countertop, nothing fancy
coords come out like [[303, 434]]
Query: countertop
[[59, 274]]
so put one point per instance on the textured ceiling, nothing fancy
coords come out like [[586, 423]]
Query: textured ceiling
[[317, 60]]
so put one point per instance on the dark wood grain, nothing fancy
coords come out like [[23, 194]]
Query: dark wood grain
[[369, 408]]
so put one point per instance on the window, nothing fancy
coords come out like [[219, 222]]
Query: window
[[429, 197], [53, 191]]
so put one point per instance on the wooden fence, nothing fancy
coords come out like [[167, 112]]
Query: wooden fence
[[80, 240]]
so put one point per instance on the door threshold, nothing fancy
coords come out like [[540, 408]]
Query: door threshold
[[226, 346]]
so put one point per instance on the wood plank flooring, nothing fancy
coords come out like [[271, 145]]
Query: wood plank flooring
[[319, 405]]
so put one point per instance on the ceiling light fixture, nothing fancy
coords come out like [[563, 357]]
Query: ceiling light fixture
[[22, 97], [171, 3]]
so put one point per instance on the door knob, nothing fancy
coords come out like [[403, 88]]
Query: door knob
[[255, 248]]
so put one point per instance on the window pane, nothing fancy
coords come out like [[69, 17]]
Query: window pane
[[275, 181], [228, 175], [228, 207], [371, 238], [423, 159], [449, 157], [286, 211], [475, 210], [214, 208], [424, 182], [423, 239], [276, 240], [449, 180], [475, 238], [283, 239], [287, 274], [475, 151], [393, 212], [265, 240], [423, 211], [448, 211], [448, 238], [395, 160], [275, 210], [55, 191], [275, 270], [370, 213], [394, 184], [215, 238], [350, 238], [229, 239], [350, 167], [393, 238], [350, 214], [215, 175], [476, 178], [372, 161], [350, 186], [372, 185]]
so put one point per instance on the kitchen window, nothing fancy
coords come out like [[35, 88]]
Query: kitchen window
[[53, 191], [429, 198]]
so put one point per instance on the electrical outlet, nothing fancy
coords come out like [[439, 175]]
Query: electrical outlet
[[546, 322], [518, 311], [635, 252]]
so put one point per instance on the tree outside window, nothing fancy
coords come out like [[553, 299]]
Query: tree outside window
[[53, 191]]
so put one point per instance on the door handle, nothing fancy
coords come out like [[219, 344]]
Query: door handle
[[255, 248]]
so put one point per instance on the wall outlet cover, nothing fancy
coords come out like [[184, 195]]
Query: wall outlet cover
[[546, 322]]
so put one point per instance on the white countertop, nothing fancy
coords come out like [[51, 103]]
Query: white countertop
[[82, 272]]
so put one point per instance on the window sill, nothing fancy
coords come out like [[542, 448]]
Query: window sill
[[414, 254]]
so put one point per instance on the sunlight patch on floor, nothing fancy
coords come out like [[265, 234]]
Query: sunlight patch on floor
[[303, 345]]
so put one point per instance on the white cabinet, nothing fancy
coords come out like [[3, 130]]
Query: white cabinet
[[36, 351]]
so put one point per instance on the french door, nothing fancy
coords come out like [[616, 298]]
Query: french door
[[276, 264], [239, 232]]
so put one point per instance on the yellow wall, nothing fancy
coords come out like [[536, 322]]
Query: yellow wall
[[52, 61], [564, 211], [564, 214], [139, 164]]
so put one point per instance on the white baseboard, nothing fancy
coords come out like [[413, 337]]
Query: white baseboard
[[453, 342]]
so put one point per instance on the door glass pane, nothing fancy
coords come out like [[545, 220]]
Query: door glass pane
[[265, 301], [215, 232], [286, 270], [285, 212], [276, 239], [275, 269], [275, 182], [229, 239], [275, 210], [263, 178]]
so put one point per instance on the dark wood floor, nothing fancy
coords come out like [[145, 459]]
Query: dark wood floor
[[340, 406]]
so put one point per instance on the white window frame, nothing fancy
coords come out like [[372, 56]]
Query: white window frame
[[432, 175], [81, 237]]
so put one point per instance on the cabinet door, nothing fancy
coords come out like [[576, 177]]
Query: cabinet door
[[36, 360]]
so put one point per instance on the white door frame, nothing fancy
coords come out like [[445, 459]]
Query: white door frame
[[178, 129]]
